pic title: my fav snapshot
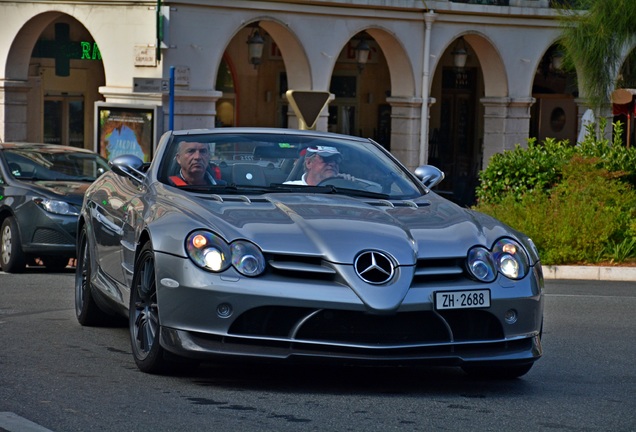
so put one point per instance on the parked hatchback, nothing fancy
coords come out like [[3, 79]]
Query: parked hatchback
[[41, 191]]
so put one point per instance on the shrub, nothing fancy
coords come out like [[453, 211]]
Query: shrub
[[584, 214], [539, 167], [611, 156], [523, 170]]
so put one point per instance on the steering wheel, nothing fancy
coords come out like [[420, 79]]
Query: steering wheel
[[349, 184], [340, 182]]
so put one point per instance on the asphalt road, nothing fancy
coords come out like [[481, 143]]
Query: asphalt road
[[58, 376]]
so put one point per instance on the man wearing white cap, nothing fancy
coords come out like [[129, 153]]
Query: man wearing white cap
[[321, 162]]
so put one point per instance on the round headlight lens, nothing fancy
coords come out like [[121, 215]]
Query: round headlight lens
[[509, 266], [247, 258], [511, 258], [481, 265], [214, 259], [208, 251]]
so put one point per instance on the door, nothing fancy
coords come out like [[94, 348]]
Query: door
[[64, 120], [454, 148]]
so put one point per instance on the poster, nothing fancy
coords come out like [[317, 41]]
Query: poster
[[125, 129]]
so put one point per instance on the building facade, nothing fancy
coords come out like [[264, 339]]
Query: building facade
[[444, 82]]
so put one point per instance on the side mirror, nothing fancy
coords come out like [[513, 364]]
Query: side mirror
[[430, 175], [128, 166]]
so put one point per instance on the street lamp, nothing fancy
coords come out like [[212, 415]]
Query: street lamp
[[255, 43]]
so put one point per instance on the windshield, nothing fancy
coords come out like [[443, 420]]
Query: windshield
[[50, 163], [277, 162]]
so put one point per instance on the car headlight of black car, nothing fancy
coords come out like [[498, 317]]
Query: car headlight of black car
[[506, 257], [211, 252], [56, 206]]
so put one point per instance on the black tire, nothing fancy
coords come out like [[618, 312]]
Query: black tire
[[88, 313], [55, 263], [12, 257], [497, 371], [144, 316]]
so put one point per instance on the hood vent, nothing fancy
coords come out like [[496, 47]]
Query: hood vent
[[398, 203]]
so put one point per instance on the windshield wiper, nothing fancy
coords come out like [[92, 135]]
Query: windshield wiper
[[330, 189], [283, 188], [229, 189]]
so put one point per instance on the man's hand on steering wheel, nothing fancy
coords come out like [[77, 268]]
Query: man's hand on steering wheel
[[344, 176]]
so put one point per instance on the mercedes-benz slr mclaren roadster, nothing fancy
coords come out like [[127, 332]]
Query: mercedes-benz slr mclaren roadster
[[295, 245]]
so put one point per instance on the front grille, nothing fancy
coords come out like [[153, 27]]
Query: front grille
[[352, 327], [438, 270], [313, 268], [50, 236], [357, 327], [426, 270]]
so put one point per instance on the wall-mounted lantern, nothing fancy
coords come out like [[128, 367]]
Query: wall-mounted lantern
[[460, 54], [255, 45], [362, 53]]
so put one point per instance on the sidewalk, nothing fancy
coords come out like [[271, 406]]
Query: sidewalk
[[590, 273]]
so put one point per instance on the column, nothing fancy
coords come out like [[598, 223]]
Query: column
[[405, 130], [506, 124], [13, 110]]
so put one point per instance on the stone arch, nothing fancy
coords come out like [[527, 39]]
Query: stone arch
[[294, 55], [258, 99], [19, 56], [384, 105], [491, 63], [400, 67], [30, 87]]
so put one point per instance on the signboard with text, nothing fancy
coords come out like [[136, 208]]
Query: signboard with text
[[150, 85]]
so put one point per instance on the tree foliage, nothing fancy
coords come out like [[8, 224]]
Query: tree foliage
[[595, 40]]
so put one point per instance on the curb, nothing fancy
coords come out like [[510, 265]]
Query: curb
[[624, 274]]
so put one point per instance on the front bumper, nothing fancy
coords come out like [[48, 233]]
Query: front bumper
[[46, 233], [206, 315]]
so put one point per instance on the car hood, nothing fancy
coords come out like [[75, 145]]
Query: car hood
[[338, 227], [71, 191]]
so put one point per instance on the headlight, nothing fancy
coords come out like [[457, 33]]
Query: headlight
[[208, 251], [211, 252], [511, 258], [507, 257], [56, 207], [481, 265], [247, 258]]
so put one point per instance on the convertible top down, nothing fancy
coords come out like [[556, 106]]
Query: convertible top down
[[253, 261]]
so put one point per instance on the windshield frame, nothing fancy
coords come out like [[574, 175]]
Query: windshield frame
[[280, 157]]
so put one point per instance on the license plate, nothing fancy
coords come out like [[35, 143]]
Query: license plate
[[462, 299]]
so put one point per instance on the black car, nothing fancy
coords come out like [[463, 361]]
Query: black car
[[41, 191]]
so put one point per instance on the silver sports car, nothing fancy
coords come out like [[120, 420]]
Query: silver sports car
[[302, 245]]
